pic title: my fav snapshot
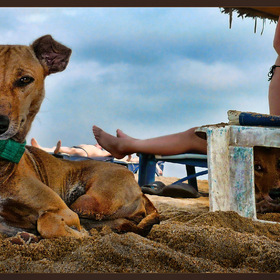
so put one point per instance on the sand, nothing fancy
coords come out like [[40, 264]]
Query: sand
[[189, 239]]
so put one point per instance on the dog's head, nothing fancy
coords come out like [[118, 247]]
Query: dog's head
[[22, 73], [267, 169]]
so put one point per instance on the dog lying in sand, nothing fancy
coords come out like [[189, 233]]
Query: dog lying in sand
[[267, 178], [43, 194]]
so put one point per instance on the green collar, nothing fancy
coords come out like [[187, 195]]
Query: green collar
[[12, 150]]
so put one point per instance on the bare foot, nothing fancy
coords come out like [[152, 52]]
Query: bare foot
[[112, 144], [34, 143], [58, 146]]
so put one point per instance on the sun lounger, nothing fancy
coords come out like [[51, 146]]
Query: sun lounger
[[132, 166], [147, 165], [77, 158]]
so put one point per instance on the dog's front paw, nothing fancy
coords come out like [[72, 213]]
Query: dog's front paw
[[23, 238], [63, 222], [84, 233], [265, 206]]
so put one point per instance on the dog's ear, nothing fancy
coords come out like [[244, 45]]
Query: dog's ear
[[52, 55]]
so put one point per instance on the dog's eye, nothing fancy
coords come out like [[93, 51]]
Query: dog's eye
[[24, 81], [258, 167]]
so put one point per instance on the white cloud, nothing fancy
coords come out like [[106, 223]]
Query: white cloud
[[149, 72], [37, 18], [216, 76]]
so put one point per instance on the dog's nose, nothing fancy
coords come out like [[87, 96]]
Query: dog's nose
[[4, 124]]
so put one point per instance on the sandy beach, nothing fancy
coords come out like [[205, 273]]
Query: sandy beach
[[189, 239]]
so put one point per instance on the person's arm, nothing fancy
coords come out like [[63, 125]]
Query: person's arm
[[274, 86]]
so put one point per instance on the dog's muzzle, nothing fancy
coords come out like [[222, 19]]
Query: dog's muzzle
[[4, 124]]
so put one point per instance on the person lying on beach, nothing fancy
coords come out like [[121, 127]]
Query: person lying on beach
[[85, 150], [82, 150], [186, 141]]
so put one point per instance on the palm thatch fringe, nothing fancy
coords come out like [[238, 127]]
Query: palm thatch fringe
[[255, 13]]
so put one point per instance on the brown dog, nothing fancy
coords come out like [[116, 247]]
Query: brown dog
[[267, 177], [44, 193]]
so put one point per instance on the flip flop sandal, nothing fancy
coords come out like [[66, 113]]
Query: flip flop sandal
[[180, 190], [154, 188]]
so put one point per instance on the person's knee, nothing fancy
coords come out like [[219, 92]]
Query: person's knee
[[191, 132]]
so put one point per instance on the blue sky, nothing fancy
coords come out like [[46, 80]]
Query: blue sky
[[148, 71]]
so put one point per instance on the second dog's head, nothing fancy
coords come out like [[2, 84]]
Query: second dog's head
[[22, 73], [267, 170]]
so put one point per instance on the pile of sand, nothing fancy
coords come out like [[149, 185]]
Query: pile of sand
[[189, 239]]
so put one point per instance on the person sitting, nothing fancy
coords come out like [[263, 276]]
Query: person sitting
[[186, 141], [122, 144]]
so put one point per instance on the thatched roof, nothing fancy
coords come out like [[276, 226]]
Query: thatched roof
[[271, 13]]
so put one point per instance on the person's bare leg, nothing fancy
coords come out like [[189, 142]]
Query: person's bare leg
[[58, 146], [34, 143], [171, 144], [72, 151], [59, 149], [159, 171], [274, 86]]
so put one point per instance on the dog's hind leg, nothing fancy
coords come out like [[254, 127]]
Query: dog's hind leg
[[152, 217], [87, 206], [116, 198], [140, 221], [119, 225]]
